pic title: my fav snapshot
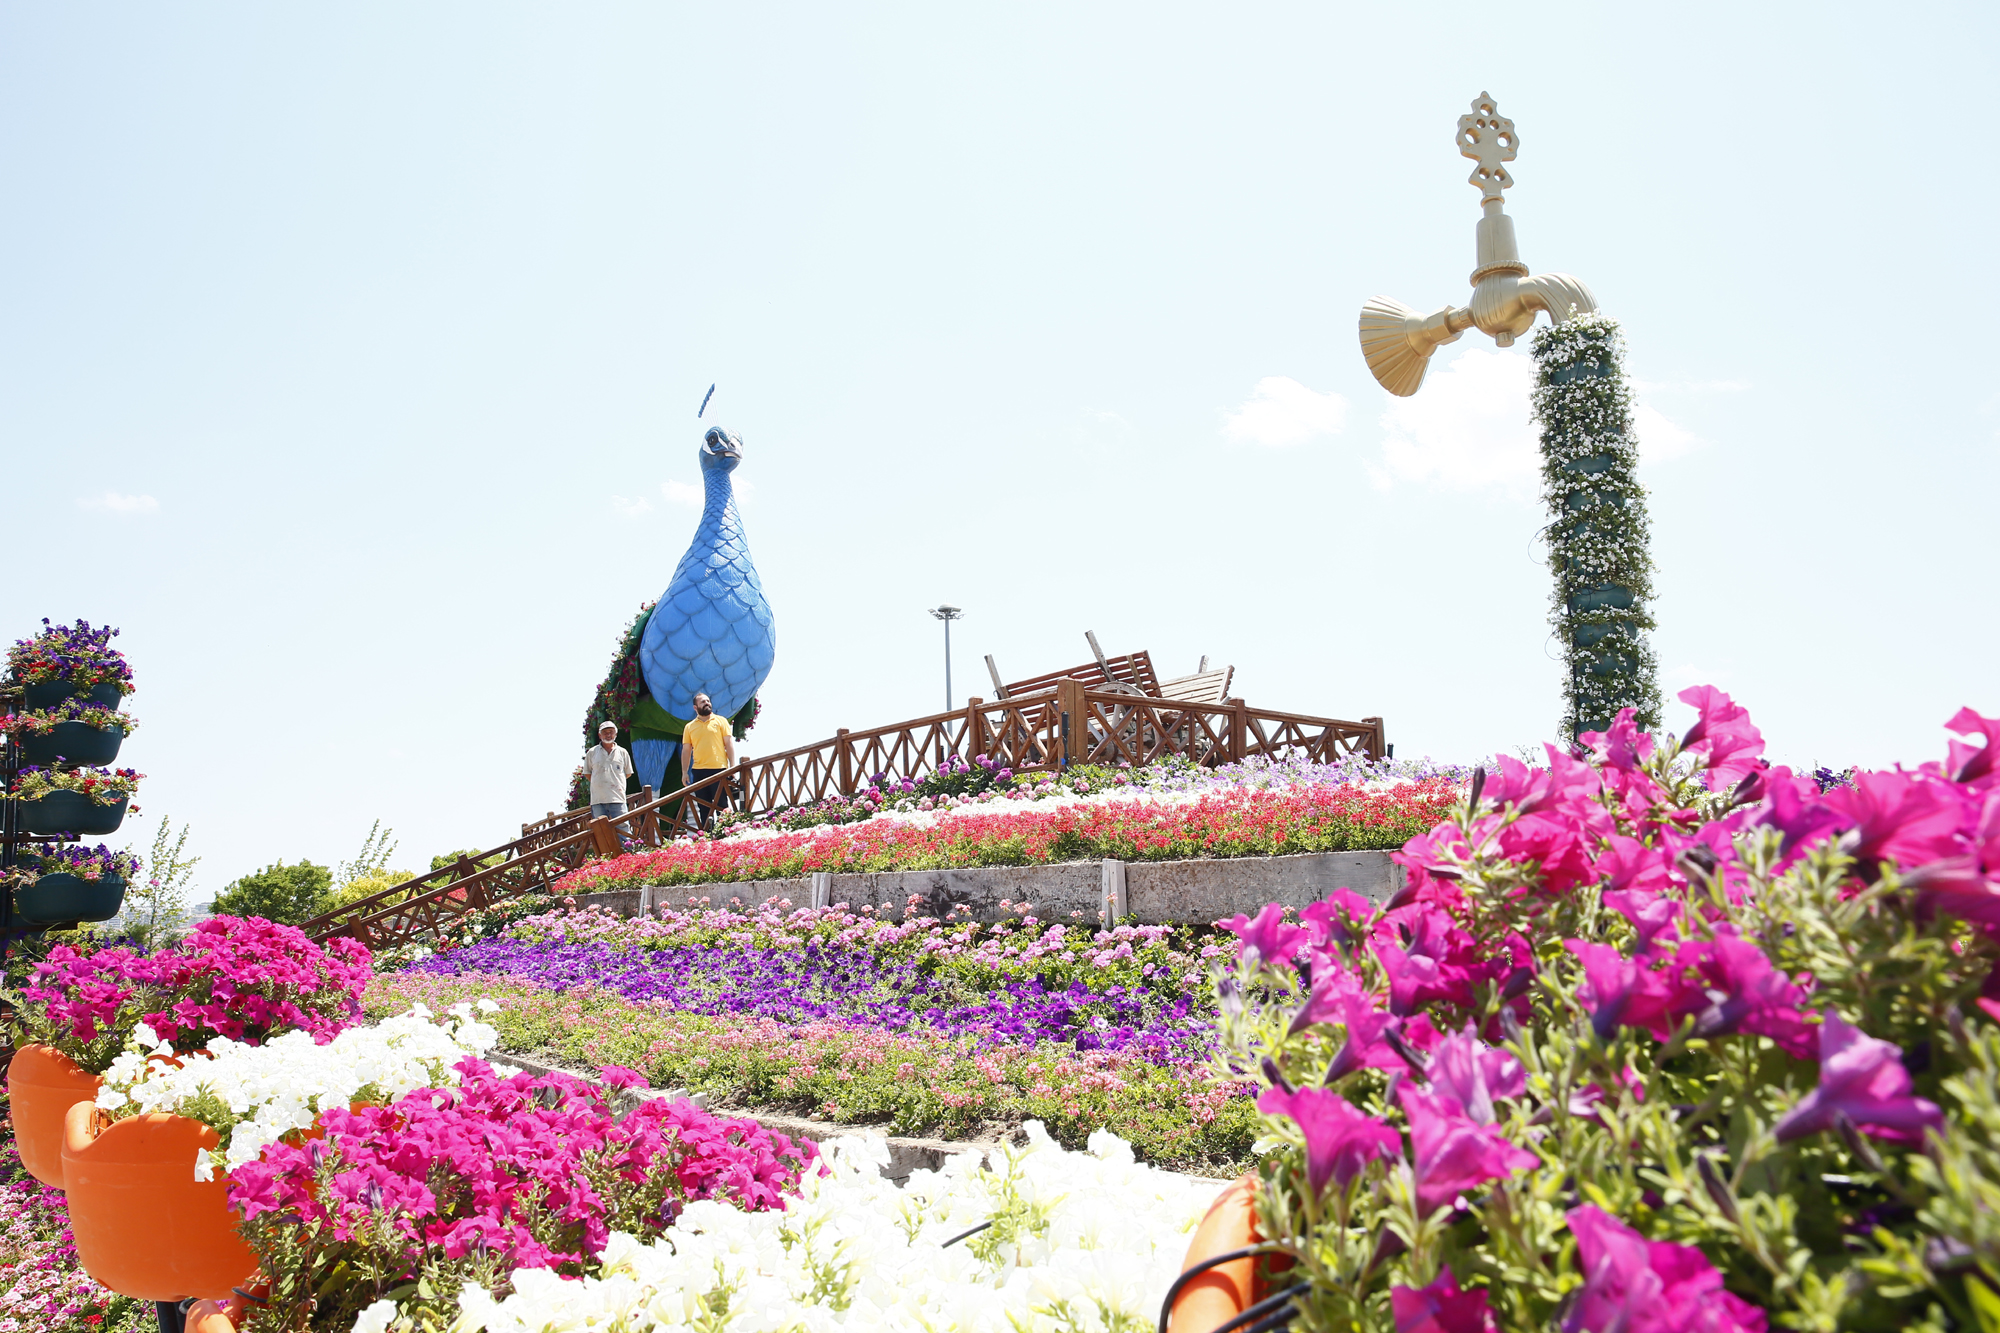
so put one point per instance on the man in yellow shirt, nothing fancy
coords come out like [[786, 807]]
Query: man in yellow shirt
[[707, 748]]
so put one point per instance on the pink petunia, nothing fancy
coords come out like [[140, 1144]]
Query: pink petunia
[[1861, 1078], [1453, 1152], [1340, 1140], [1723, 735], [1441, 1308], [1633, 1285]]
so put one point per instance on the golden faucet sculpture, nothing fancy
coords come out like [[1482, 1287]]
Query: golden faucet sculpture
[[1398, 341]]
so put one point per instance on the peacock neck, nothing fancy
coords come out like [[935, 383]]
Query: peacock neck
[[718, 500]]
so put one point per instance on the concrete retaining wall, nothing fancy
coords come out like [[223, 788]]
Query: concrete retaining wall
[[1150, 892]]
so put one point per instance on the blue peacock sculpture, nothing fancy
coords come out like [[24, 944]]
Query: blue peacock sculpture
[[712, 631]]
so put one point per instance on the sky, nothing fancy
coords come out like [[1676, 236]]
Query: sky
[[350, 356]]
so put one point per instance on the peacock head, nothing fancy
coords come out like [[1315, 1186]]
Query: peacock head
[[720, 450]]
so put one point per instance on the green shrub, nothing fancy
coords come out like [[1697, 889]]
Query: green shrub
[[292, 894]]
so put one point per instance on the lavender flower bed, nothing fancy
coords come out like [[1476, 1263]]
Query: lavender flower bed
[[819, 979]]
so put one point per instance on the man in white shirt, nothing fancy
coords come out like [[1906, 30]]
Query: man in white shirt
[[609, 768]]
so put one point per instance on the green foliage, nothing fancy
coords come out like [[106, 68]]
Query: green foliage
[[615, 698], [373, 858], [471, 854], [1598, 531], [291, 894], [367, 885]]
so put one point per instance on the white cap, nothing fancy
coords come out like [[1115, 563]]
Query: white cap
[[606, 723]]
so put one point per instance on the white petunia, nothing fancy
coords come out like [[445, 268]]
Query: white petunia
[[376, 1318], [1094, 1250]]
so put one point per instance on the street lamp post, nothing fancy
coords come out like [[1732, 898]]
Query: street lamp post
[[947, 614]]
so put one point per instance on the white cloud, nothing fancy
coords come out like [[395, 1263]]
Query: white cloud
[[113, 502], [1282, 412], [631, 508], [1467, 427], [1659, 438], [680, 493], [1101, 429]]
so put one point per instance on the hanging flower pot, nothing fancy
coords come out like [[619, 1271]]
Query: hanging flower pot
[[49, 693], [72, 812], [72, 743], [144, 1226], [61, 897], [229, 1313], [42, 1084], [1209, 1294]]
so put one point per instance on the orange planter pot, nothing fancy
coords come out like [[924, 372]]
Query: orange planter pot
[[227, 1314], [42, 1084], [145, 1227], [1228, 1289]]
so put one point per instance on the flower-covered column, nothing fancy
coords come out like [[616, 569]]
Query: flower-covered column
[[1598, 530]]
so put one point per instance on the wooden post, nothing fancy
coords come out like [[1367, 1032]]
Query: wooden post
[[1239, 729], [1072, 721], [846, 750], [1378, 739], [649, 823], [975, 728], [605, 836]]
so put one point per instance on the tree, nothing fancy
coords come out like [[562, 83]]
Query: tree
[[157, 909], [292, 894], [371, 861]]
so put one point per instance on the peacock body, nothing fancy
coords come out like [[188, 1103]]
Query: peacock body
[[712, 632]]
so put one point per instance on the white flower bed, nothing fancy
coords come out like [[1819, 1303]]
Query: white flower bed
[[253, 1095], [1082, 1242], [1178, 788]]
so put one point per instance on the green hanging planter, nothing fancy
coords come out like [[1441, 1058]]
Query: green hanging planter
[[71, 812], [60, 897], [49, 693], [73, 743]]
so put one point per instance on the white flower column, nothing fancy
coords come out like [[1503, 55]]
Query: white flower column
[[1598, 533]]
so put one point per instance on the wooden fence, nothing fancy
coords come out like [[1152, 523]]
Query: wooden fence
[[1063, 724]]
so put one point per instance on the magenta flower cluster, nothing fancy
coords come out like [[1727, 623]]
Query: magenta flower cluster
[[242, 978], [1616, 919], [505, 1172]]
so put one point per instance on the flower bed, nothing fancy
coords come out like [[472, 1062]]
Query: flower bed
[[958, 784], [1233, 821], [41, 1288], [1128, 989], [1060, 1243], [919, 1081]]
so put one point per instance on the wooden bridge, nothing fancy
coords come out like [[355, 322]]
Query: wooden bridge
[[1052, 726]]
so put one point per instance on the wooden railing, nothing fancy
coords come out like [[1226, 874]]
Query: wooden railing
[[1064, 724]]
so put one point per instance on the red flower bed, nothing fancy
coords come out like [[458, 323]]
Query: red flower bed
[[1241, 822]]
